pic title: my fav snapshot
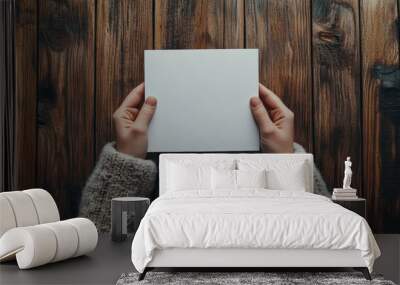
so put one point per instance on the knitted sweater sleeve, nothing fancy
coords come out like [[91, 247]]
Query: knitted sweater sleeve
[[115, 175], [319, 183]]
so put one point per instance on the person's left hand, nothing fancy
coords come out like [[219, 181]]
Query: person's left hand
[[274, 120]]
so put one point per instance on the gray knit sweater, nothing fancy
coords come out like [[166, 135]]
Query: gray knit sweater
[[117, 175]]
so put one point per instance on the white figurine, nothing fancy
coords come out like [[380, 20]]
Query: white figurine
[[347, 174]]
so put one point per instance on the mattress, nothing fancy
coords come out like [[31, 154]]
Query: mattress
[[250, 218]]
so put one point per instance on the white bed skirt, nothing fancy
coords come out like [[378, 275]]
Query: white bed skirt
[[193, 257]]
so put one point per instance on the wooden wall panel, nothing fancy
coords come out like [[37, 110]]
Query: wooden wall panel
[[65, 99], [76, 60], [281, 31], [381, 120], [199, 24], [124, 31], [26, 90], [3, 101], [336, 74], [7, 92], [234, 27]]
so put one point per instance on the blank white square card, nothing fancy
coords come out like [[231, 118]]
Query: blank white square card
[[203, 99]]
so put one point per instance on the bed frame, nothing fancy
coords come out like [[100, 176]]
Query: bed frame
[[246, 257]]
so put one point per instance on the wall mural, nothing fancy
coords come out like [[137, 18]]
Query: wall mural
[[334, 63]]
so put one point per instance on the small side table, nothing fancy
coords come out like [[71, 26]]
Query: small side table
[[358, 206], [121, 209]]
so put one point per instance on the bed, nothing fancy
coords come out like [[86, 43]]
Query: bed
[[247, 210]]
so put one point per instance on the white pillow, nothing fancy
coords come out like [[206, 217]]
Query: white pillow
[[223, 179], [188, 177], [251, 179], [234, 179], [292, 179], [282, 174]]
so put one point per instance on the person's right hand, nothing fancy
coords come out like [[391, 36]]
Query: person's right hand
[[274, 120], [132, 120]]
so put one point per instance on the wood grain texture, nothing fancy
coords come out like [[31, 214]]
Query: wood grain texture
[[26, 90], [381, 146], [76, 60], [234, 27], [281, 31], [65, 99], [124, 31], [337, 105], [7, 90], [3, 101], [199, 24]]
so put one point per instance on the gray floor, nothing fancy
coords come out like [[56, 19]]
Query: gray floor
[[103, 266], [389, 262], [110, 260]]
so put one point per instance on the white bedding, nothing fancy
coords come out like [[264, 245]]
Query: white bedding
[[251, 218]]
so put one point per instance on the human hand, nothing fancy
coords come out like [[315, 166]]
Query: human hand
[[275, 122], [132, 120]]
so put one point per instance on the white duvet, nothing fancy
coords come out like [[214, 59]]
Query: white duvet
[[251, 218]]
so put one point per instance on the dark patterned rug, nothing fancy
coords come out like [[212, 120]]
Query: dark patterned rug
[[229, 278]]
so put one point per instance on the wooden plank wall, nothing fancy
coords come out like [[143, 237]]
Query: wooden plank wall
[[327, 59], [65, 143], [281, 31], [124, 31], [336, 86], [26, 67], [7, 100], [381, 113]]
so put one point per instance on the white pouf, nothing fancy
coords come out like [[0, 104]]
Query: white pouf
[[23, 208], [45, 205], [7, 219], [31, 231], [67, 238], [26, 208], [37, 245], [87, 233], [32, 246]]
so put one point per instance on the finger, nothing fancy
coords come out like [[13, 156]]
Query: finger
[[126, 117], [147, 111], [126, 113], [270, 99], [131, 113], [135, 97], [261, 116]]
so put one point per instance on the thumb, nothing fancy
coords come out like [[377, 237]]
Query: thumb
[[261, 116], [147, 111]]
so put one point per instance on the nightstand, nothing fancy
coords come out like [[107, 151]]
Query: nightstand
[[358, 206], [124, 209]]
